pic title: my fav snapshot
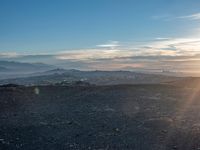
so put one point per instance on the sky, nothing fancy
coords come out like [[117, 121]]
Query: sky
[[103, 34]]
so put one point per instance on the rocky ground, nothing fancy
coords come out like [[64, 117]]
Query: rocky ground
[[140, 117]]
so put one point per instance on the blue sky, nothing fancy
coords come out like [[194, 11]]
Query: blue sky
[[49, 25], [99, 29]]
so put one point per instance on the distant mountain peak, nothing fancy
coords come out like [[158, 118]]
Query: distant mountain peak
[[3, 69], [23, 67], [57, 70]]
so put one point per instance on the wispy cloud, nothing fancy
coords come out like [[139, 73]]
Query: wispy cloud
[[195, 16], [162, 39], [164, 17], [110, 44], [8, 55], [92, 54], [159, 53], [180, 54]]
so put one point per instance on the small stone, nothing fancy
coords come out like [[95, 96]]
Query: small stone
[[71, 145], [69, 122], [116, 129], [164, 131], [2, 141]]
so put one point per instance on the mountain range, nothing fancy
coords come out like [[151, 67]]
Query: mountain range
[[12, 69], [43, 74]]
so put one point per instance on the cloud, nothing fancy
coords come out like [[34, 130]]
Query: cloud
[[8, 55], [180, 54], [177, 46], [158, 47], [162, 39], [92, 54], [110, 44], [195, 16], [164, 17]]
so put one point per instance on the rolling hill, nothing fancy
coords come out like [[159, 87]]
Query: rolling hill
[[25, 67], [62, 76]]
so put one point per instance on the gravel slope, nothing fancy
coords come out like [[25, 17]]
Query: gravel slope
[[141, 117]]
